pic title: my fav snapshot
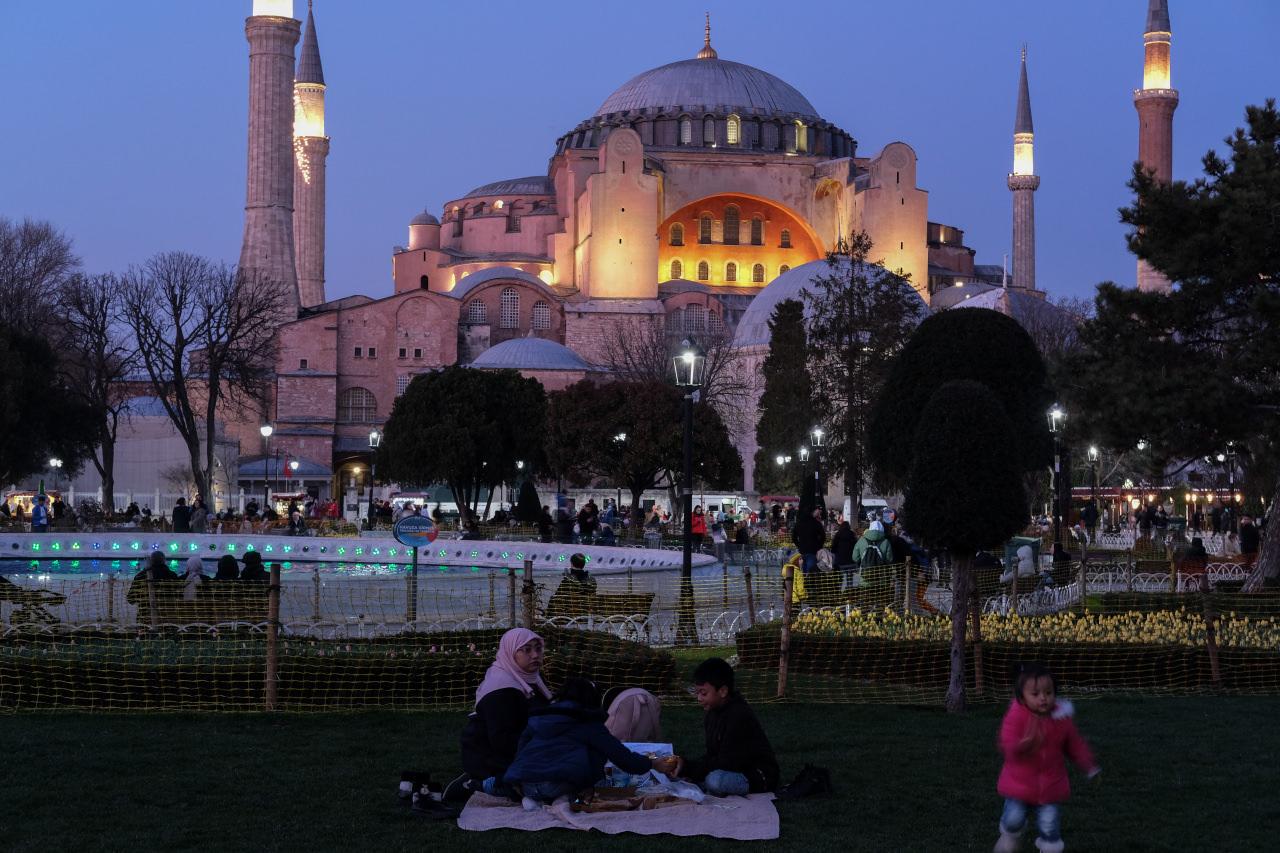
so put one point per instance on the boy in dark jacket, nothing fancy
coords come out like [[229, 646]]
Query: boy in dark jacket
[[739, 759], [565, 746]]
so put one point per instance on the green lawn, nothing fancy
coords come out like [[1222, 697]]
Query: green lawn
[[1179, 774]]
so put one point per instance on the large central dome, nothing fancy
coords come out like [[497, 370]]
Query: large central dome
[[709, 82]]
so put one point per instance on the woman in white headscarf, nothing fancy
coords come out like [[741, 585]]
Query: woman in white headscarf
[[512, 687]]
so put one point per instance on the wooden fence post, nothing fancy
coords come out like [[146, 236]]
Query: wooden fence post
[[976, 610], [784, 646], [1211, 639], [111, 598], [751, 598], [906, 587], [270, 679], [151, 601], [1128, 570], [315, 594], [530, 595], [1013, 590], [493, 595], [1084, 587], [1173, 569], [511, 597]]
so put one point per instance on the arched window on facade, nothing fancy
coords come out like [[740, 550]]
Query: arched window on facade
[[694, 320], [477, 313], [357, 406], [423, 282], [757, 274], [757, 231], [677, 235], [733, 130], [783, 268], [708, 131], [509, 304], [541, 316], [704, 228], [784, 239], [704, 271], [802, 137], [686, 131], [732, 220], [715, 325], [731, 271], [677, 269]]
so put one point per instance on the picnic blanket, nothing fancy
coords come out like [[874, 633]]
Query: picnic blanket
[[751, 818]]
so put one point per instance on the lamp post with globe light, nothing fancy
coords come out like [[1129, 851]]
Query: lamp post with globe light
[[265, 430], [375, 439], [293, 469], [1057, 423], [689, 365]]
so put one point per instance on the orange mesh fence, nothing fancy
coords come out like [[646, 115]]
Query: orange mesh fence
[[386, 637]]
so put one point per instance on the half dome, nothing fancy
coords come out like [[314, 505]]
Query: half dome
[[753, 328], [696, 83], [532, 185], [530, 354]]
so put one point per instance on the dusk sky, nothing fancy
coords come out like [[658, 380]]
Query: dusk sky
[[124, 122]]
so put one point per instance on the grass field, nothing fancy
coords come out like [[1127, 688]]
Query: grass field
[[1179, 774]]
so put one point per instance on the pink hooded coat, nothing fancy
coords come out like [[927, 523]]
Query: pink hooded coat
[[1039, 776]]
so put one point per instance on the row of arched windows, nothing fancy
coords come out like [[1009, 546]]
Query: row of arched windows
[[730, 271], [734, 135], [732, 235], [509, 311]]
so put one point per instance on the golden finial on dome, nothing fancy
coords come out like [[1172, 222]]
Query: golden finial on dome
[[707, 52]]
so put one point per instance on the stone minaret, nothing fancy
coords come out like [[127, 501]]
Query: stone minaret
[[310, 148], [1156, 101], [1023, 183], [268, 211]]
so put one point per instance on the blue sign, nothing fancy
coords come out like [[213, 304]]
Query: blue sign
[[415, 531]]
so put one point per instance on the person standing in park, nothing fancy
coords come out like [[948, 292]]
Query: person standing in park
[[1089, 516], [40, 515], [809, 535], [1250, 540], [199, 516], [181, 517]]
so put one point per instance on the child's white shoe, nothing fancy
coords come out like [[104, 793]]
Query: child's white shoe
[[1008, 842], [1050, 846], [530, 804]]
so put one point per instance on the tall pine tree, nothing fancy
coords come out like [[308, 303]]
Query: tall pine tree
[[786, 407]]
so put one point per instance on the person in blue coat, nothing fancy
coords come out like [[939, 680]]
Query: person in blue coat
[[565, 746]]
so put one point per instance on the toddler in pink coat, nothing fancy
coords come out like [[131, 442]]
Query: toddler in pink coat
[[1037, 736]]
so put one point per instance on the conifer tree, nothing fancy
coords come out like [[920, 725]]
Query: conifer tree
[[786, 406]]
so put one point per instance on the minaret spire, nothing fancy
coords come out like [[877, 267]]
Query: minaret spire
[[1023, 183], [310, 149], [1156, 102], [707, 52]]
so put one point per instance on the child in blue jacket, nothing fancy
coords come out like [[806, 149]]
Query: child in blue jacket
[[565, 746]]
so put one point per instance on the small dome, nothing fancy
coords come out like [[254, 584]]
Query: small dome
[[532, 185], [424, 218], [753, 328], [711, 82], [530, 354]]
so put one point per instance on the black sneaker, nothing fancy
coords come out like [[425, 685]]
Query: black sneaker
[[410, 782], [458, 791], [427, 806]]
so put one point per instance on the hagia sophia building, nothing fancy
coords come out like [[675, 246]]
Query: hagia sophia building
[[696, 197]]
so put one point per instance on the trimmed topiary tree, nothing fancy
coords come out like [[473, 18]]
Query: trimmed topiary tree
[[528, 510], [971, 343], [964, 493]]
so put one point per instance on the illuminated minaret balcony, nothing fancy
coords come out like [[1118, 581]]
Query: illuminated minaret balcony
[[1156, 72], [1024, 158]]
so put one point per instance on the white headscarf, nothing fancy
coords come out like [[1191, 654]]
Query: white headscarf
[[504, 672], [195, 575]]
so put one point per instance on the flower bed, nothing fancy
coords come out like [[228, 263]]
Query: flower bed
[[1148, 652]]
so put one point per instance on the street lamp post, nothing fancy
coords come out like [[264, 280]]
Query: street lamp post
[[1093, 473], [620, 439], [817, 439], [56, 464], [375, 439], [266, 430], [293, 469], [689, 365], [1057, 419]]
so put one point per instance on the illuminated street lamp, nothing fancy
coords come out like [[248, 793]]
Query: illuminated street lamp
[[375, 440], [1057, 423], [265, 430], [689, 365], [293, 468]]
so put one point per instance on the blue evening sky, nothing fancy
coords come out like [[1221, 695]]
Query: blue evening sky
[[123, 122]]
